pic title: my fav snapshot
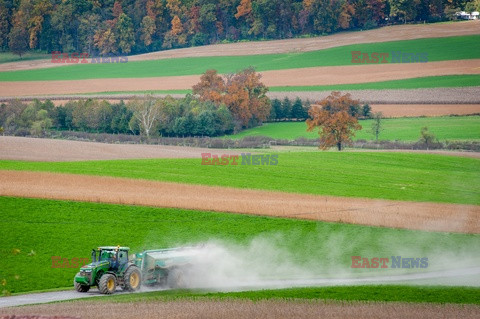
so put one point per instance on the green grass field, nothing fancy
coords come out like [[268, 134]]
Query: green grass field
[[438, 49], [398, 176], [40, 229], [442, 295], [400, 129]]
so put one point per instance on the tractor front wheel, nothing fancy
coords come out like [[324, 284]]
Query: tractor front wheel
[[132, 279], [107, 284], [79, 287]]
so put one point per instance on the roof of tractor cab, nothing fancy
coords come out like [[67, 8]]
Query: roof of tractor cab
[[113, 248]]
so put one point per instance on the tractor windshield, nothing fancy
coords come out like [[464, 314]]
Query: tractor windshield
[[106, 255]]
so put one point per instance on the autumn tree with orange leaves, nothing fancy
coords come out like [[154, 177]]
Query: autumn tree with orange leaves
[[243, 93], [333, 117], [210, 88]]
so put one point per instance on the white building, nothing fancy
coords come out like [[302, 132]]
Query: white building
[[468, 16]]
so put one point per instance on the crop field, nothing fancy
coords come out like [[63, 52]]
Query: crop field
[[402, 176], [274, 240], [35, 230], [399, 129], [439, 49]]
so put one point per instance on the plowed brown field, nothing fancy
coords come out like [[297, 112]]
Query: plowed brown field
[[413, 110], [244, 309], [51, 150], [387, 213]]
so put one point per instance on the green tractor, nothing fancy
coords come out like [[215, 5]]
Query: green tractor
[[112, 269]]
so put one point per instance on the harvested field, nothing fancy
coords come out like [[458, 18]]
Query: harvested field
[[292, 77], [245, 309], [414, 110], [40, 149], [389, 33], [385, 213], [464, 95]]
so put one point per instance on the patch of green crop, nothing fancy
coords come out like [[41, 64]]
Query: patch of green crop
[[34, 230], [438, 49], [398, 176], [399, 129]]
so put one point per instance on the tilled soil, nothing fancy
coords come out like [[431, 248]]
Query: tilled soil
[[376, 212], [52, 150], [461, 95], [413, 110], [205, 308]]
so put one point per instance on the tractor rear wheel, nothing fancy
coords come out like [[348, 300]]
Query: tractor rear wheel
[[79, 287], [132, 279], [107, 284]]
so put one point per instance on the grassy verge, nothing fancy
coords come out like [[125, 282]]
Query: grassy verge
[[400, 129], [39, 229], [6, 57], [398, 176], [438, 49]]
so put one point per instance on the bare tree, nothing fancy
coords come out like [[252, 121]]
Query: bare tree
[[427, 137], [146, 113], [377, 125]]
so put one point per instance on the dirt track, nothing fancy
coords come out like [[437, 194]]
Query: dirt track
[[347, 74], [390, 33], [205, 308], [385, 213]]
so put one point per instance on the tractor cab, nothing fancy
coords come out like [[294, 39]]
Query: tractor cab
[[116, 256]]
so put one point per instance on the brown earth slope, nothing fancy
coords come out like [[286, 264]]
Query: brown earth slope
[[385, 213]]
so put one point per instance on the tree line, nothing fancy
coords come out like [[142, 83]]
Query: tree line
[[138, 26], [168, 117], [147, 117]]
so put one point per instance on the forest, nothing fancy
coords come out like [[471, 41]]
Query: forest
[[139, 26]]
